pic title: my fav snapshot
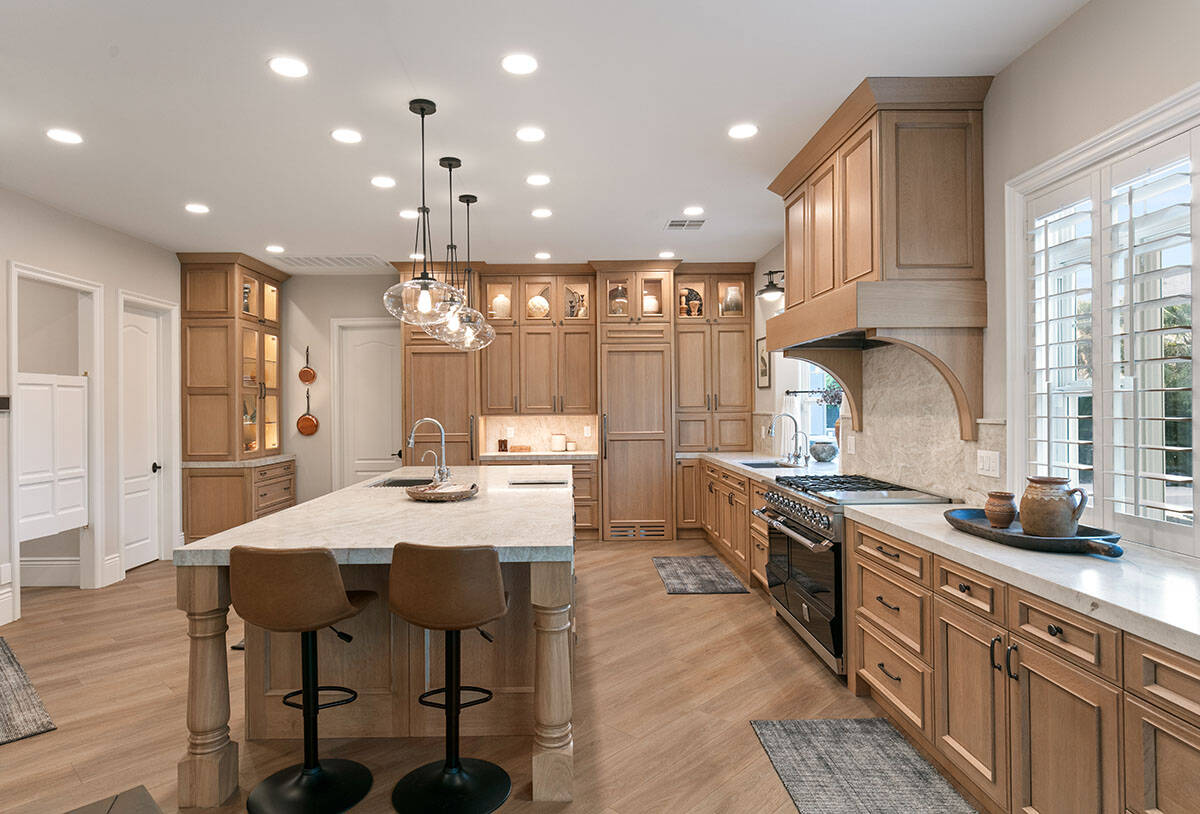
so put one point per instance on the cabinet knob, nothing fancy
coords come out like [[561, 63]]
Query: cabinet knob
[[1054, 630], [964, 588]]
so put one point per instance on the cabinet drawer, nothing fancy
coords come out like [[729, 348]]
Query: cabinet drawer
[[897, 607], [738, 483], [266, 473], [884, 549], [587, 514], [899, 680], [711, 471], [1163, 677], [634, 332], [968, 588], [287, 504], [1162, 761], [585, 487], [275, 492], [1079, 639], [583, 468]]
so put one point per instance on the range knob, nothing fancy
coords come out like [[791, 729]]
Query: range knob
[[825, 522]]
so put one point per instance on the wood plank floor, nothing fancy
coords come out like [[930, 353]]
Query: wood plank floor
[[665, 687]]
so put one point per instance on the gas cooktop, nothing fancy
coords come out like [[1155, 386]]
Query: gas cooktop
[[842, 489]]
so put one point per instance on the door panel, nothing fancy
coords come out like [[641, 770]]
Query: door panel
[[370, 408], [823, 265], [636, 398], [859, 201], [637, 489], [440, 384], [693, 432], [732, 368], [797, 258], [577, 369], [500, 373], [139, 438], [539, 369], [687, 494], [731, 432], [693, 389]]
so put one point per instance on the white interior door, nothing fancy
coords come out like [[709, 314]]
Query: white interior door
[[140, 435], [371, 429], [52, 450]]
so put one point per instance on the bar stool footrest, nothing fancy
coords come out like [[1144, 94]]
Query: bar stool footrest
[[351, 696], [423, 698]]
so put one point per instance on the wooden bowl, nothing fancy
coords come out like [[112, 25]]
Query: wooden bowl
[[442, 492]]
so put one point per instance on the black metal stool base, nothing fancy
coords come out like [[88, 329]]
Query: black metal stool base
[[478, 788], [337, 785]]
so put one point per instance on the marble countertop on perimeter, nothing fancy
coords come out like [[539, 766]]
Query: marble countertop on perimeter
[[361, 523], [577, 455], [270, 459], [735, 461], [1152, 594]]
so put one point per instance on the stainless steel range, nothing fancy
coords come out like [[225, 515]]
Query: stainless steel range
[[804, 517]]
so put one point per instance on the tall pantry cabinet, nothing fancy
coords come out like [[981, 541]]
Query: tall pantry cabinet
[[232, 407]]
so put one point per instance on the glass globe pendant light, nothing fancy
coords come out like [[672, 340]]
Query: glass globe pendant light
[[475, 333], [422, 300], [450, 329]]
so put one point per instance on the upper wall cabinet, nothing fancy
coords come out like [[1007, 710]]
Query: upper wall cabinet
[[230, 285], [631, 296]]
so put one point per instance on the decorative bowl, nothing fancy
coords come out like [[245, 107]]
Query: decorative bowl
[[823, 448]]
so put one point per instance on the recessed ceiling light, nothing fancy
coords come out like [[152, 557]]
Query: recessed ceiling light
[[288, 66], [196, 208], [346, 136], [666, 255], [542, 256], [275, 248], [541, 213], [409, 214], [519, 63], [64, 136], [531, 134], [416, 256], [693, 211], [383, 181], [745, 130], [537, 180]]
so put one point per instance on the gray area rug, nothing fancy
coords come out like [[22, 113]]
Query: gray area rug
[[22, 714], [855, 766], [134, 801], [697, 575]]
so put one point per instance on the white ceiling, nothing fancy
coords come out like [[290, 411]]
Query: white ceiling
[[176, 104]]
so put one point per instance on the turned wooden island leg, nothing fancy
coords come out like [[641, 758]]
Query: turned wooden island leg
[[208, 773], [553, 749]]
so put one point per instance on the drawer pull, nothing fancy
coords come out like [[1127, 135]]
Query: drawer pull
[[1054, 630], [886, 553], [881, 601], [884, 670], [992, 652], [964, 588], [262, 494]]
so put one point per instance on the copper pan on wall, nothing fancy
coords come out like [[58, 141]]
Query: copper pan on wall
[[307, 424]]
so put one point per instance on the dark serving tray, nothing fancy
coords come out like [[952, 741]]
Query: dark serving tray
[[1088, 541]]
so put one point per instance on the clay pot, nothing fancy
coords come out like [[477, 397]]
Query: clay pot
[[1000, 509], [1047, 509]]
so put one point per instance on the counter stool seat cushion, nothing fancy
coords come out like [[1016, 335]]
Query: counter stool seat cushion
[[446, 587], [291, 590]]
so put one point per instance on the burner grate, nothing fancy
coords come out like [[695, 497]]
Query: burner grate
[[827, 483]]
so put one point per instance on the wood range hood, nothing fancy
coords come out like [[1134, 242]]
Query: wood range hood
[[884, 246]]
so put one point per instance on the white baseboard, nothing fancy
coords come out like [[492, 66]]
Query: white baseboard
[[49, 572], [6, 605], [111, 571]]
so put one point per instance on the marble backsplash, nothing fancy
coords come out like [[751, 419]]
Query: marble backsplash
[[535, 430], [910, 431]]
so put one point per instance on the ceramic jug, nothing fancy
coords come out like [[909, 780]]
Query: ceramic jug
[[1048, 510]]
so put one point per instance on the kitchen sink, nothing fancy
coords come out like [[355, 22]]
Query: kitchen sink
[[769, 465], [403, 482]]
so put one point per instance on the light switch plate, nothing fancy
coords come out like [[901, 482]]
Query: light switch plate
[[587, 430], [850, 444], [511, 431], [987, 463]]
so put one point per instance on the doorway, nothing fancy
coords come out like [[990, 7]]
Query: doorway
[[367, 386], [147, 445]]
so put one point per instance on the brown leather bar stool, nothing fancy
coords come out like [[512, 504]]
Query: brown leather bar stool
[[300, 590], [450, 589]]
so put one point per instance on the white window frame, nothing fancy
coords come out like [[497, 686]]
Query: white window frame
[[1165, 121]]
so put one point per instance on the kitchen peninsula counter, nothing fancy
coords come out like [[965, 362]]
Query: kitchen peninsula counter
[[389, 661]]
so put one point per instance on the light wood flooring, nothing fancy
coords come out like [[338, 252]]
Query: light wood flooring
[[665, 687]]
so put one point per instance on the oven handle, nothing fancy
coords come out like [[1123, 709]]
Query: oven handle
[[824, 545]]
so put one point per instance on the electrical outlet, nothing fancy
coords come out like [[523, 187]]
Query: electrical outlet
[[763, 430], [587, 430], [850, 443], [511, 431], [987, 463]]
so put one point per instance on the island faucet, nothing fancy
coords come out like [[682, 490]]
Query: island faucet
[[441, 473], [799, 455]]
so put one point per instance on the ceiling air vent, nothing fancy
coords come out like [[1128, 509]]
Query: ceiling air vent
[[684, 225], [330, 264]]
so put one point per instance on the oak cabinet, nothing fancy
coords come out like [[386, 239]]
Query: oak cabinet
[[500, 372], [796, 247], [758, 557], [539, 369], [576, 373], [226, 286], [1064, 733], [823, 236], [739, 529], [711, 496], [634, 296], [688, 502], [219, 498], [1162, 761], [439, 382], [970, 698], [858, 205]]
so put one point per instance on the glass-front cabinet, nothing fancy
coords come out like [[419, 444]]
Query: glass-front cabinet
[[635, 296], [499, 293], [259, 398], [542, 300], [711, 298], [258, 297]]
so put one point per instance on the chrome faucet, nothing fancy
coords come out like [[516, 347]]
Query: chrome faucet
[[441, 474], [799, 455]]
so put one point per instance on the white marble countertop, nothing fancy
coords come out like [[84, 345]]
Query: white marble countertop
[[267, 461], [578, 455], [1150, 593], [361, 523], [735, 461]]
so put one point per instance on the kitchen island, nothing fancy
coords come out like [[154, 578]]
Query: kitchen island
[[389, 661]]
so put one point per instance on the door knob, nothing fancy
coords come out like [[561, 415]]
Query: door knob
[[154, 467]]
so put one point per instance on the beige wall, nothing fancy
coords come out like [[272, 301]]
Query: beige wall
[[309, 303], [785, 373], [48, 238]]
